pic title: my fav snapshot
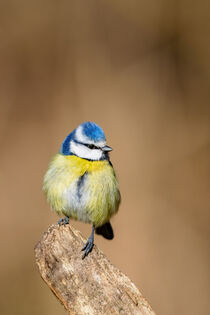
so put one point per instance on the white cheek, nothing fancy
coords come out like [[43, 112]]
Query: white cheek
[[84, 152]]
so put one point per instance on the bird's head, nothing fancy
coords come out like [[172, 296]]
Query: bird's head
[[86, 141]]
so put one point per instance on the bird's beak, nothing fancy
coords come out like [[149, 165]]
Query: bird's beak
[[107, 148]]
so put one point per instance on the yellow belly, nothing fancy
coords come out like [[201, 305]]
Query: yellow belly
[[81, 189]]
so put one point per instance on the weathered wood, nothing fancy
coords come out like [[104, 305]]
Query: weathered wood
[[90, 286]]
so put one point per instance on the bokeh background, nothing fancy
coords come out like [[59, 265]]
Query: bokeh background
[[141, 70]]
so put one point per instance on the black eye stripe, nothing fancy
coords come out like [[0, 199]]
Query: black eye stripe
[[91, 146]]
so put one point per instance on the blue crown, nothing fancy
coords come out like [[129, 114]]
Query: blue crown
[[89, 129], [93, 131]]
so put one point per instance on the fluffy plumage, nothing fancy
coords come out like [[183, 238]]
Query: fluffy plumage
[[80, 182], [83, 190]]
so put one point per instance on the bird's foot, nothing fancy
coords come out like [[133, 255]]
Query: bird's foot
[[63, 221], [88, 247]]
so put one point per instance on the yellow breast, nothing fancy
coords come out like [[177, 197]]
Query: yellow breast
[[81, 189]]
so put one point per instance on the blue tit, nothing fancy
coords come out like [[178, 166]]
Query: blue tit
[[81, 184]]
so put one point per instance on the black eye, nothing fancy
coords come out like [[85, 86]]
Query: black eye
[[91, 146]]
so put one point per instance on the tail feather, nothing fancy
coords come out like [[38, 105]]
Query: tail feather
[[106, 231]]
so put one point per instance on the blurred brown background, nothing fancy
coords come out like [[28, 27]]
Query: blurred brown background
[[141, 70]]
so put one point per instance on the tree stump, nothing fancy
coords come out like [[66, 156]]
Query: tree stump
[[90, 286]]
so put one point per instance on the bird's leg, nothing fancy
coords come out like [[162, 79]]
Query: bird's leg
[[63, 221], [89, 245]]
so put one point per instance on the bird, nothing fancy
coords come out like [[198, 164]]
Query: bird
[[81, 184]]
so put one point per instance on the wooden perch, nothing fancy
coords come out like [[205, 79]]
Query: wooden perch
[[90, 286]]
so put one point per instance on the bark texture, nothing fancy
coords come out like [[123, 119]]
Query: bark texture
[[90, 286]]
